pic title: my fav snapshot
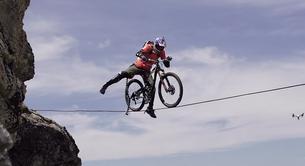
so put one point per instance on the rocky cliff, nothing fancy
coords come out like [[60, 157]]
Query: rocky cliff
[[6, 143], [26, 138]]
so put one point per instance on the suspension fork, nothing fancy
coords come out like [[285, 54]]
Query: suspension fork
[[161, 73], [166, 86]]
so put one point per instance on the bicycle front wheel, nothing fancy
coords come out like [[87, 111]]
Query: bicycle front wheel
[[134, 95], [170, 90]]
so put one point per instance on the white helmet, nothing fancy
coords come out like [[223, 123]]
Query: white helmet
[[160, 42]]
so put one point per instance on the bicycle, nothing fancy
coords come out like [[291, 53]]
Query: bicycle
[[170, 89]]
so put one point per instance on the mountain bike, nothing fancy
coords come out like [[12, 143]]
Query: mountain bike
[[170, 89]]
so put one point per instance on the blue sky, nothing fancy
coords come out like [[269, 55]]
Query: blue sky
[[219, 48]]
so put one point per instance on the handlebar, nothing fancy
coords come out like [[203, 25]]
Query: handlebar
[[152, 60], [157, 61], [143, 57]]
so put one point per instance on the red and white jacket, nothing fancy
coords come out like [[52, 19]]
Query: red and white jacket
[[150, 52]]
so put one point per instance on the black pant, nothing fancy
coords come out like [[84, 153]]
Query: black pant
[[130, 72]]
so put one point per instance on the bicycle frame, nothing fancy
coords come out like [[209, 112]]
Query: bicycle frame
[[156, 71]]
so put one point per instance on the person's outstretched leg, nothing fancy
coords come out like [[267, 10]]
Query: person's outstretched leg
[[128, 73], [115, 79]]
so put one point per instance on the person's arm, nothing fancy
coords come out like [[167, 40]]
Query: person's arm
[[166, 59], [163, 55]]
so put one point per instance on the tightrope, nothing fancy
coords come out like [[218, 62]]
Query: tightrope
[[179, 106]]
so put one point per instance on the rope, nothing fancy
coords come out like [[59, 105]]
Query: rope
[[184, 105], [235, 96], [81, 110]]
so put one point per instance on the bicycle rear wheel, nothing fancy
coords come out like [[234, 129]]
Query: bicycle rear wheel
[[134, 95], [170, 90]]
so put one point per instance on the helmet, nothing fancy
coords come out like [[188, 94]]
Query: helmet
[[160, 42]]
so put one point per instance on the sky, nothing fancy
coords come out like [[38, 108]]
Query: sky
[[219, 48]]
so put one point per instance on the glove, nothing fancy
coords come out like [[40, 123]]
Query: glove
[[166, 63], [169, 58]]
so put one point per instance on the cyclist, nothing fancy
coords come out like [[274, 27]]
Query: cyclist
[[142, 66]]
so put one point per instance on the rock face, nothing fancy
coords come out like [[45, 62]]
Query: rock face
[[42, 142], [27, 138], [6, 143], [16, 60]]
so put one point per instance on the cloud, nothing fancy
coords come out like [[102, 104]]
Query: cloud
[[202, 56], [257, 3], [275, 6], [59, 62], [67, 75], [42, 26], [50, 48], [206, 127], [76, 121], [264, 2]]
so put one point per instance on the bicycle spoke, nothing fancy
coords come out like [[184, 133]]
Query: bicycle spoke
[[134, 95], [170, 90]]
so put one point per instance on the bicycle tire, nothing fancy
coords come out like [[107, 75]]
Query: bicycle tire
[[165, 79], [133, 96]]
